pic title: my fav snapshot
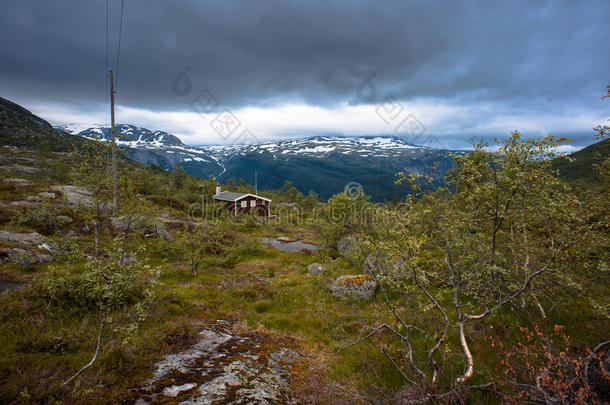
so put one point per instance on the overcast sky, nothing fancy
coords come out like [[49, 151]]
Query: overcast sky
[[451, 70]]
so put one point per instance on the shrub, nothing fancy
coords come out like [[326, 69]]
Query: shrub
[[105, 285]]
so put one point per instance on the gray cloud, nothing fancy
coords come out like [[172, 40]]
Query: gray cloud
[[533, 56]]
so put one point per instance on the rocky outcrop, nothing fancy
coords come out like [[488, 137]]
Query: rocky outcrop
[[32, 238], [22, 256], [224, 368], [75, 195], [19, 168], [361, 286], [141, 226], [316, 268]]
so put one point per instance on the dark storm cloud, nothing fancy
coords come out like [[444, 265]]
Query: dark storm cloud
[[527, 54]]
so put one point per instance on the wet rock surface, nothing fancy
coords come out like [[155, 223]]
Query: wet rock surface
[[224, 368]]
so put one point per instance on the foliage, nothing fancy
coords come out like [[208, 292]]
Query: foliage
[[43, 217], [107, 286], [501, 235], [541, 368]]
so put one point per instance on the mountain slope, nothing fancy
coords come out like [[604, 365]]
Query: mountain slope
[[581, 165], [327, 164], [20, 128], [158, 147]]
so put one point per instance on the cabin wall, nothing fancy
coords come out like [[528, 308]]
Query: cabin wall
[[261, 207]]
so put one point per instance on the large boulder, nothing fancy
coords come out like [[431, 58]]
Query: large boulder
[[32, 238], [361, 286], [141, 226], [316, 268], [348, 248]]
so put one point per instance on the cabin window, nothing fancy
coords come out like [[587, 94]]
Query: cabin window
[[253, 203], [244, 204]]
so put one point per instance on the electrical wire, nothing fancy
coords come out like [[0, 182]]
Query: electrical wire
[[118, 52]]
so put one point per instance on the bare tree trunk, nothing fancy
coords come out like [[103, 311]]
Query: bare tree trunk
[[97, 350], [540, 308], [97, 239], [469, 362]]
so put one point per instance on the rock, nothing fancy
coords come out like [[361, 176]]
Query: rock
[[75, 195], [162, 232], [223, 368], [34, 198], [20, 168], [65, 219], [23, 203], [285, 239], [21, 182], [141, 226], [127, 260], [32, 238], [45, 194], [380, 267], [316, 268], [22, 256], [361, 286], [348, 248]]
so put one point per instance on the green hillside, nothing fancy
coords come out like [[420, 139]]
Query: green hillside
[[580, 165]]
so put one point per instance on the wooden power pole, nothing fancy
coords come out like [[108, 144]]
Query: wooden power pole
[[113, 132]]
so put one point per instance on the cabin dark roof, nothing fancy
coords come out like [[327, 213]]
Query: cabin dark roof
[[232, 197]]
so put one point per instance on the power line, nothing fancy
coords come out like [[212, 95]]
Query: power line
[[118, 52], [106, 71]]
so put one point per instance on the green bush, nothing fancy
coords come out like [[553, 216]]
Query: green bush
[[43, 218], [104, 285]]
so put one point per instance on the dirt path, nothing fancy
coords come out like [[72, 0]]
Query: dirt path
[[225, 368]]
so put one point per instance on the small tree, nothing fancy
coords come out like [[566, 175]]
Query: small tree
[[474, 250], [94, 174], [119, 294]]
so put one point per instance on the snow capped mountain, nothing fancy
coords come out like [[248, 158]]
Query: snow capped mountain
[[133, 137], [154, 147], [321, 146], [320, 163]]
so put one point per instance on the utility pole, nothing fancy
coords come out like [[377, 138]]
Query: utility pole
[[255, 184], [113, 132]]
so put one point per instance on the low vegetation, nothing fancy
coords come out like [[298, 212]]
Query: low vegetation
[[492, 289]]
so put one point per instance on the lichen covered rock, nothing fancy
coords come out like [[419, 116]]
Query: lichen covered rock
[[224, 368], [361, 286]]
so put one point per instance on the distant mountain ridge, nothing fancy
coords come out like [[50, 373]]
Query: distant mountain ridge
[[132, 136], [324, 164]]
